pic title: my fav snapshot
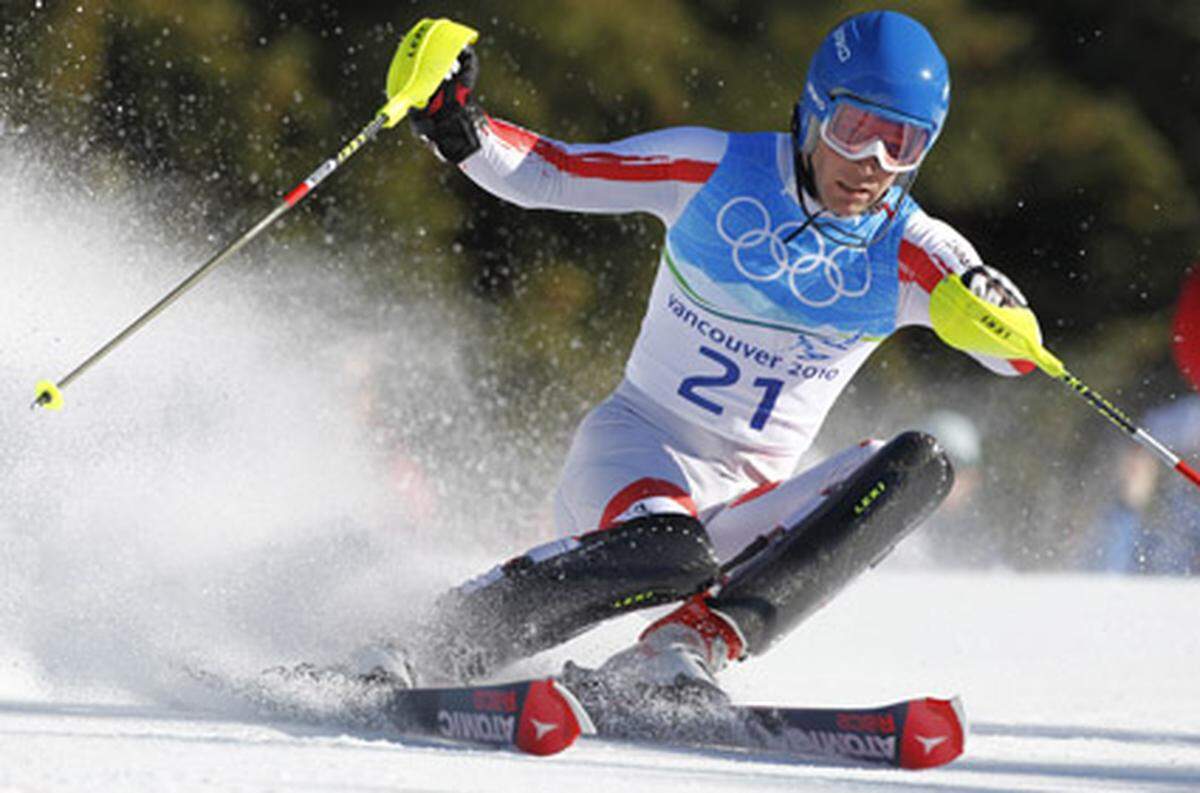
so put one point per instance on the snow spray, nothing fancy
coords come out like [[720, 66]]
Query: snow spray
[[241, 484]]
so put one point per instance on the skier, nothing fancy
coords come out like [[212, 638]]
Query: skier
[[788, 258]]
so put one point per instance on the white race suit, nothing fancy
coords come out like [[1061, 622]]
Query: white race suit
[[762, 310]]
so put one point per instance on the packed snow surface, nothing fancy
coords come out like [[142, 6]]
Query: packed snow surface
[[1070, 683]]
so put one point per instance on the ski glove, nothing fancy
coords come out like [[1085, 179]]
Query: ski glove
[[988, 283], [449, 123]]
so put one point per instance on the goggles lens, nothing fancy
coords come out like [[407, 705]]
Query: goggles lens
[[856, 133]]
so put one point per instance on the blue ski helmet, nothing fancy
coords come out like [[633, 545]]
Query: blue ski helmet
[[882, 59]]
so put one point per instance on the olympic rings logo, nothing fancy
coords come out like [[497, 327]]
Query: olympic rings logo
[[761, 245]]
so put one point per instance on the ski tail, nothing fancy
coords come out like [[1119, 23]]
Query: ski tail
[[913, 734]]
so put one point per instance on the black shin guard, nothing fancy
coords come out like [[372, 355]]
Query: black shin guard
[[530, 604], [806, 565]]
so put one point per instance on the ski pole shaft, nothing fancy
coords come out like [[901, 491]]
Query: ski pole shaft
[[1124, 423], [48, 394]]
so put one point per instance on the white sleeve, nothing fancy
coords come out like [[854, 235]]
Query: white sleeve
[[930, 250], [656, 172]]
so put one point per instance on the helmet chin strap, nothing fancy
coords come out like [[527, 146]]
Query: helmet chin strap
[[804, 185], [805, 180]]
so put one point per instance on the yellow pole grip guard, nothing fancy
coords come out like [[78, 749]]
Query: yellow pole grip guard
[[965, 321], [422, 61]]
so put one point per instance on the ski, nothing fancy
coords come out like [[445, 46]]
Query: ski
[[545, 716]]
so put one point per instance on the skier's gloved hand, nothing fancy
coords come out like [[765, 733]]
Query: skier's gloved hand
[[990, 284], [449, 123]]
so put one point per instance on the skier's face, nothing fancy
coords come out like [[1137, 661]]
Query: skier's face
[[848, 187]]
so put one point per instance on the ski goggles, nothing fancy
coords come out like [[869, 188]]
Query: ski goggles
[[856, 132]]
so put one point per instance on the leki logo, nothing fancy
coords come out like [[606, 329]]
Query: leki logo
[[815, 276], [870, 498], [995, 326], [418, 37]]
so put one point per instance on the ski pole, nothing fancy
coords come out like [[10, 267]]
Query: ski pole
[[424, 57], [965, 321]]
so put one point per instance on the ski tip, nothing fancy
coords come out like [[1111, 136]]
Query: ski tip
[[935, 732], [551, 719]]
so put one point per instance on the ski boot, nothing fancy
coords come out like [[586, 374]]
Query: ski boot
[[667, 680], [684, 649]]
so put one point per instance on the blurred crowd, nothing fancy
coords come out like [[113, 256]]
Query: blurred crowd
[[1153, 522]]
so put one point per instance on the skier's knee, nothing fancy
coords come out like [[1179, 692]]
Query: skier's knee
[[647, 497], [745, 523]]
